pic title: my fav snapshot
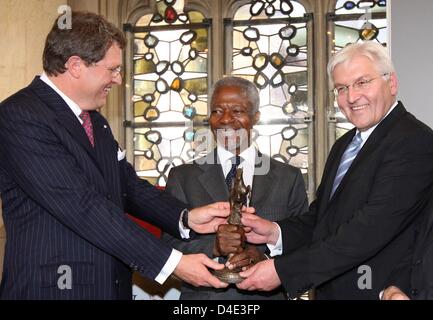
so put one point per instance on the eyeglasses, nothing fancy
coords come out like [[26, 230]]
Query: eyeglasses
[[114, 71], [357, 86]]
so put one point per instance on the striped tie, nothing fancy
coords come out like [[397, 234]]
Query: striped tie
[[232, 173], [87, 125], [346, 160]]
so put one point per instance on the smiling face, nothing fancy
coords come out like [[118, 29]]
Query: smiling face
[[98, 79], [365, 107], [231, 119]]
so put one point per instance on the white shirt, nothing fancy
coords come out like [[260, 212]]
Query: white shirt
[[248, 159], [175, 256], [366, 134], [71, 104]]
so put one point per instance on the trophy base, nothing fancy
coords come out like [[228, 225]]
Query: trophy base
[[228, 276]]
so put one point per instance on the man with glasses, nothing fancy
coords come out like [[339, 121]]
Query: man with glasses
[[66, 185], [375, 184]]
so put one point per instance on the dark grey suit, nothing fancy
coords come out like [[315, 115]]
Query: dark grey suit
[[275, 196]]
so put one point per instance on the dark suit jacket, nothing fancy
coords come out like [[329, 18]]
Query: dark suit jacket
[[275, 196], [64, 204], [414, 275], [369, 221]]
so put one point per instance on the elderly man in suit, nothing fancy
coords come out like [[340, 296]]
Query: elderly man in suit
[[277, 192], [66, 186], [375, 184]]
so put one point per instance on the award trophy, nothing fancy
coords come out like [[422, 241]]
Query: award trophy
[[238, 197]]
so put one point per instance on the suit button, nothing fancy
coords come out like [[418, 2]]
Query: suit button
[[414, 292], [417, 262], [116, 282], [108, 196]]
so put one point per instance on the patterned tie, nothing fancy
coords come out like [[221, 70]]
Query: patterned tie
[[232, 173], [87, 125], [346, 160]]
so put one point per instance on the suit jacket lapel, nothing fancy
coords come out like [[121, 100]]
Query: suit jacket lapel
[[334, 162], [376, 137], [262, 184], [63, 114], [71, 123], [104, 150], [212, 179]]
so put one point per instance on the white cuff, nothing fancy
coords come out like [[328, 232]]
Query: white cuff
[[381, 294], [184, 232], [277, 249], [169, 266]]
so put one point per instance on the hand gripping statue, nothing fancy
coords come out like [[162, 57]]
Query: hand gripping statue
[[239, 193]]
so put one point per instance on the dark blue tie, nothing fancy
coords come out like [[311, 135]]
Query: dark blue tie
[[346, 160], [232, 173]]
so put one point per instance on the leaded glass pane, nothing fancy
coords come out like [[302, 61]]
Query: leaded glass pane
[[360, 6], [157, 150], [274, 57], [195, 16], [357, 21], [257, 10], [170, 85], [144, 20]]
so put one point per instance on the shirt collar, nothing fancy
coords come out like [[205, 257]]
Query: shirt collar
[[366, 134], [71, 104], [248, 155]]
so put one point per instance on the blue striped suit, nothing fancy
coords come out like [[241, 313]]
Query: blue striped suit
[[64, 204]]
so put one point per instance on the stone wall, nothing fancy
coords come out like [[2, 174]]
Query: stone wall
[[24, 25]]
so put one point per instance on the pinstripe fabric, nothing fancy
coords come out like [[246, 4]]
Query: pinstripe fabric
[[64, 204]]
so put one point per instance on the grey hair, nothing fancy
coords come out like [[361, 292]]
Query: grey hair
[[249, 90], [372, 50]]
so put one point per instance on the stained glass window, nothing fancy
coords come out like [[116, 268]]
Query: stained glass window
[[169, 87], [269, 48], [355, 21]]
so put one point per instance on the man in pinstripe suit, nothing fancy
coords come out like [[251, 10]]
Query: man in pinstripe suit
[[65, 189]]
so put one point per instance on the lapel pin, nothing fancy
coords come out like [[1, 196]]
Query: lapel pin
[[105, 126]]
